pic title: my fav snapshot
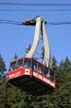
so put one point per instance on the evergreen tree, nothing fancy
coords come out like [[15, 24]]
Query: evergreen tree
[[54, 64], [61, 96], [2, 66], [27, 49], [15, 56], [2, 82], [67, 62], [12, 97]]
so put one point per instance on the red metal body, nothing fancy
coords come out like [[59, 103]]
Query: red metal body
[[32, 80], [19, 72]]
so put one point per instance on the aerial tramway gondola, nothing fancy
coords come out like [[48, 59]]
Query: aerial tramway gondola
[[27, 73]]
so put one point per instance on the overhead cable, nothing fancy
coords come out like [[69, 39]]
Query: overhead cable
[[10, 22], [59, 23], [34, 4], [23, 10], [23, 23]]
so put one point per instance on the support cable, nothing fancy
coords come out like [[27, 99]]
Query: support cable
[[34, 4], [23, 23]]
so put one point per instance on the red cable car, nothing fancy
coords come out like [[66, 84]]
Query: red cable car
[[31, 76], [28, 74]]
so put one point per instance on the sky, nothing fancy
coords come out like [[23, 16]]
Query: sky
[[15, 38]]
